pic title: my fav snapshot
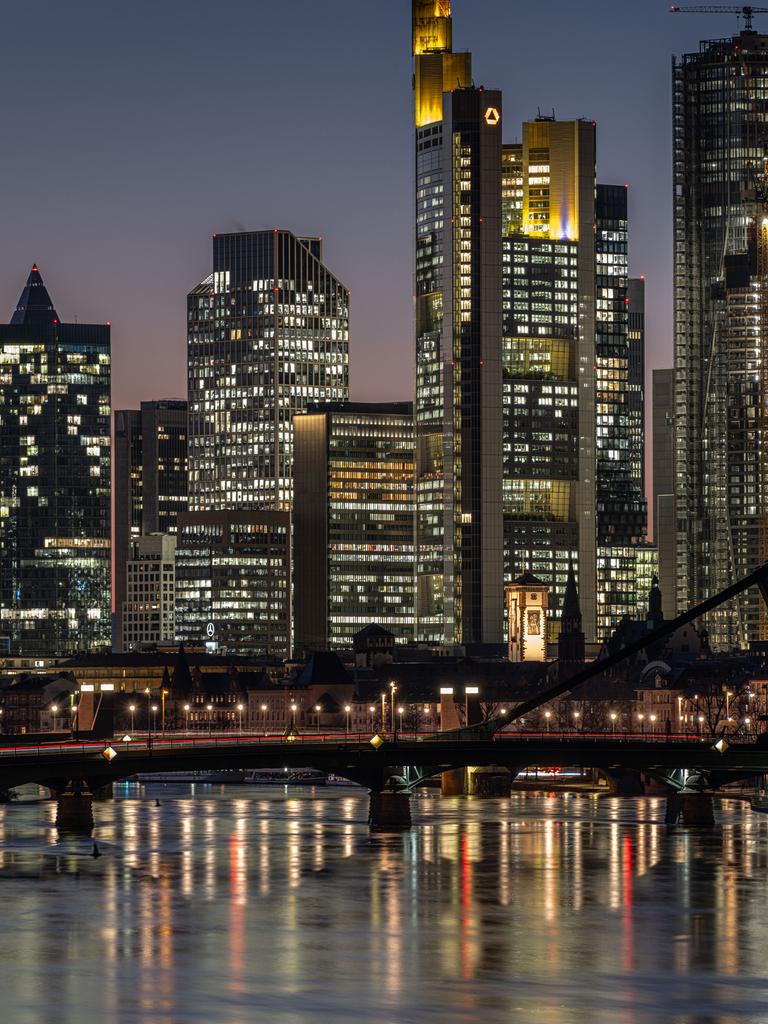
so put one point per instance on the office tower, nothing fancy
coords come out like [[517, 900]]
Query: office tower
[[636, 394], [459, 543], [549, 495], [233, 581], [268, 332], [353, 523], [150, 482], [148, 616], [621, 515], [664, 526], [54, 480], [721, 373]]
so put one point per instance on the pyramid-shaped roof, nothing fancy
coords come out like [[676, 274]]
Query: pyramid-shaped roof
[[571, 606], [34, 305]]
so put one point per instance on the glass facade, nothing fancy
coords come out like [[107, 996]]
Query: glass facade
[[148, 611], [353, 523], [54, 481], [233, 582], [268, 333], [721, 370]]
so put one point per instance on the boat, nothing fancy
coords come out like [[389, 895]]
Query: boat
[[234, 776], [286, 777]]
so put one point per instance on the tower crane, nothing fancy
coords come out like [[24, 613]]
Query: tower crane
[[747, 13]]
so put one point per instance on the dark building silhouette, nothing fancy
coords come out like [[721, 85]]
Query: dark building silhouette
[[570, 644]]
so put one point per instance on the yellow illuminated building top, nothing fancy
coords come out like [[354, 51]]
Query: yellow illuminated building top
[[551, 164], [437, 70]]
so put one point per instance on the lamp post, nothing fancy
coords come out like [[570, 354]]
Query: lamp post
[[384, 711], [392, 692], [641, 718], [347, 710], [728, 695], [163, 695], [209, 708], [154, 717], [547, 716], [318, 709], [701, 724], [264, 718], [55, 710], [576, 716], [400, 712], [372, 712], [613, 722], [186, 718], [132, 709], [240, 718], [148, 694], [293, 717], [653, 723]]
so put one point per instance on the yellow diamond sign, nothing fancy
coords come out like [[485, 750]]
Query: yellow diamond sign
[[109, 753], [376, 741], [492, 116]]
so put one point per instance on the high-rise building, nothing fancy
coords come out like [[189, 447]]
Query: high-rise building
[[353, 523], [664, 526], [548, 288], [54, 480], [621, 513], [150, 482], [268, 333], [636, 393], [721, 363], [148, 611], [459, 529], [233, 581]]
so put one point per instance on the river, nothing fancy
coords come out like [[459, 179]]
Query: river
[[233, 905]]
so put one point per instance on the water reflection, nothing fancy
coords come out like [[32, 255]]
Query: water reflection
[[244, 905]]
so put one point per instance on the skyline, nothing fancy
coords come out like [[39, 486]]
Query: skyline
[[140, 201]]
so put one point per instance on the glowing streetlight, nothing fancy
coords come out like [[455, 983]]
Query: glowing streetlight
[[186, 717], [264, 718], [613, 717], [401, 712], [653, 722], [576, 717], [154, 717], [132, 709], [209, 709], [347, 710], [240, 709], [547, 716], [55, 710], [293, 717], [392, 692]]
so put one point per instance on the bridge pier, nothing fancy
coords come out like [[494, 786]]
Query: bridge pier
[[696, 810], [389, 811], [454, 782], [489, 783], [74, 807]]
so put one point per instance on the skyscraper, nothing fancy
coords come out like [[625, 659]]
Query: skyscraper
[[459, 544], [150, 482], [353, 522], [721, 369], [54, 480], [268, 332], [636, 395], [549, 359], [664, 527], [621, 513]]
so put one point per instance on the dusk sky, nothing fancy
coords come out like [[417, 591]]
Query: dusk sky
[[133, 132]]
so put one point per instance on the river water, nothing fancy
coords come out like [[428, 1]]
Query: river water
[[242, 904]]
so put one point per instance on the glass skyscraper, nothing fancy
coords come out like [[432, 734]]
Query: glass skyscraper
[[720, 95], [54, 480], [459, 542], [268, 332]]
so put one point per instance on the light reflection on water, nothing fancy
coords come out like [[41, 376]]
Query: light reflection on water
[[238, 905]]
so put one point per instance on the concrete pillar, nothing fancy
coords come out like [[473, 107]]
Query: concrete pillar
[[489, 783], [74, 808], [696, 810], [389, 811], [454, 783]]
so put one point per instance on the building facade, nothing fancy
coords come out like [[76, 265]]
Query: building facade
[[150, 483], [636, 393], [353, 523], [268, 333], [233, 581], [664, 525], [148, 613], [721, 372], [549, 359], [54, 480], [459, 526]]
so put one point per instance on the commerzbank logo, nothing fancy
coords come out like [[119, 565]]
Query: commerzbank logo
[[492, 116]]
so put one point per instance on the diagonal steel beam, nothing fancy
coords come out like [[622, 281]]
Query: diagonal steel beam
[[758, 578]]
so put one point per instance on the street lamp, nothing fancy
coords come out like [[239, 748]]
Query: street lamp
[[240, 717], [701, 723], [186, 717], [392, 692], [576, 717], [613, 722], [148, 694], [347, 709], [132, 709], [264, 718], [372, 712], [318, 709], [547, 716], [641, 717], [154, 717], [384, 711], [209, 708], [653, 723], [293, 717], [401, 711]]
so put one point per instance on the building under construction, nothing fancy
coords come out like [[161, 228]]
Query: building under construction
[[721, 328]]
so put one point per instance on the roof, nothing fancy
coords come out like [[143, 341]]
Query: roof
[[34, 305], [571, 607], [529, 580], [373, 630], [322, 668]]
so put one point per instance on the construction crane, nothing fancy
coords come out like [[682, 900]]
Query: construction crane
[[747, 13]]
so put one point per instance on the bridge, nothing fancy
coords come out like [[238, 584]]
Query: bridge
[[390, 766]]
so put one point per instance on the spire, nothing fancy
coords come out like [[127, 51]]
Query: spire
[[655, 613], [34, 306], [571, 607]]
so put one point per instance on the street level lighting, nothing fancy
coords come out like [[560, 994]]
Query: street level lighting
[[347, 709], [701, 723], [186, 717], [576, 717], [641, 718], [209, 709], [132, 709], [400, 712], [392, 692], [372, 712], [55, 710], [264, 718], [613, 722], [318, 709], [547, 716], [240, 714], [154, 717], [653, 723], [293, 717]]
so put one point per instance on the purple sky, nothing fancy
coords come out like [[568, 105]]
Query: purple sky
[[132, 132]]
